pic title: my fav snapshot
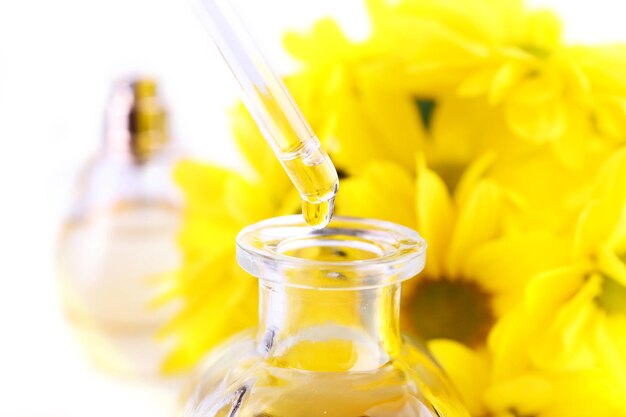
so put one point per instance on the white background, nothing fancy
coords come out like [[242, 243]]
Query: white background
[[57, 59]]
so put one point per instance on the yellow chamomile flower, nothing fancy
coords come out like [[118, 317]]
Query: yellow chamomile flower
[[583, 305], [551, 193], [357, 114], [463, 290], [496, 63], [562, 351], [501, 381]]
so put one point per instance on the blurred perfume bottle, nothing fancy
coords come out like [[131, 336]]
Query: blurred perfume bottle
[[118, 243]]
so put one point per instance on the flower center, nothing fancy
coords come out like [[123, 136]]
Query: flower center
[[612, 299], [458, 310]]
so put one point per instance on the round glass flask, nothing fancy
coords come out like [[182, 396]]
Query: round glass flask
[[118, 241], [328, 342]]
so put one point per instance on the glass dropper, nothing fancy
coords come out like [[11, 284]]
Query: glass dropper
[[280, 120]]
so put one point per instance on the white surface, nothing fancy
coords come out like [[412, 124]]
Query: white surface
[[57, 59]]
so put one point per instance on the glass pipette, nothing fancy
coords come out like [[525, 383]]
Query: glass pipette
[[274, 111]]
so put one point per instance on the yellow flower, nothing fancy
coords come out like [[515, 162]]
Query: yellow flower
[[507, 66], [443, 45], [549, 195], [533, 393], [584, 305], [473, 274], [433, 75], [564, 394], [572, 322], [357, 114]]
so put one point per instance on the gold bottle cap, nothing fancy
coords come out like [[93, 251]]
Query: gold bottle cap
[[136, 119]]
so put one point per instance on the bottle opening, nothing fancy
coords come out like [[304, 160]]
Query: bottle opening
[[330, 248], [349, 253]]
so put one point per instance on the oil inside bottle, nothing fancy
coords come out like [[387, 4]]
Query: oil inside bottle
[[111, 266]]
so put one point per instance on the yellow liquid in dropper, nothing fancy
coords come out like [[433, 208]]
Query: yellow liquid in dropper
[[315, 177], [318, 215]]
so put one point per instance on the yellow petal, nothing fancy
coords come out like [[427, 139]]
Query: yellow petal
[[535, 113], [576, 145], [584, 394], [527, 395], [611, 346], [478, 221], [459, 135], [611, 265], [383, 191], [394, 119], [325, 43], [434, 216], [472, 176], [612, 177], [508, 342], [596, 225], [497, 268], [533, 175], [202, 184], [248, 203], [543, 30], [563, 342], [257, 152], [508, 76], [549, 290], [610, 114], [478, 82], [347, 130], [604, 66], [221, 301], [468, 369]]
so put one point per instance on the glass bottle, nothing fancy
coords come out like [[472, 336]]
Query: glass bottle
[[328, 342], [119, 240]]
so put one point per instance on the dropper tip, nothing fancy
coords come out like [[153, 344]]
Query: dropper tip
[[318, 214]]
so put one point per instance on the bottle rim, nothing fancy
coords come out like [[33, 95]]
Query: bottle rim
[[381, 253]]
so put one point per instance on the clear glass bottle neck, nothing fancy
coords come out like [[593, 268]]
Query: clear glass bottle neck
[[329, 330]]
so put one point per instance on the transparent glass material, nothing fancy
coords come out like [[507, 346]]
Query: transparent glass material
[[118, 242], [328, 342], [275, 112]]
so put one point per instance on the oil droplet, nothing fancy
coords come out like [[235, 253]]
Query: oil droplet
[[318, 214]]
